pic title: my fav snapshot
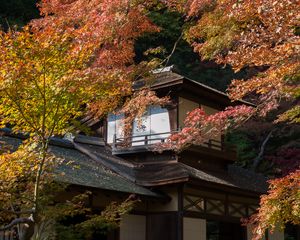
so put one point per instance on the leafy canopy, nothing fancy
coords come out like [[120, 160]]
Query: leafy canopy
[[263, 38], [51, 72]]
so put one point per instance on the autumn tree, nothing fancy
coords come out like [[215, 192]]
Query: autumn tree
[[78, 57], [258, 35], [32, 100], [279, 206], [262, 38], [36, 100]]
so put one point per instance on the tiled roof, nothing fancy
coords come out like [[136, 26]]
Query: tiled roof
[[236, 177], [93, 165], [144, 174], [81, 170], [77, 168], [162, 172]]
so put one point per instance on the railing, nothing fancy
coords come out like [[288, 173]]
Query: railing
[[146, 140], [141, 140], [214, 144]]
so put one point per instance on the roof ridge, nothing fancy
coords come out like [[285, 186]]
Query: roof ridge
[[89, 140], [55, 141]]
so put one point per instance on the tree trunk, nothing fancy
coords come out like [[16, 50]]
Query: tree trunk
[[259, 157]]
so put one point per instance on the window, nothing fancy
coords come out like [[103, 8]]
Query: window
[[114, 127], [154, 126]]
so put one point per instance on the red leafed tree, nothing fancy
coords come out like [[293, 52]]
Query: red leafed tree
[[287, 158], [261, 37], [200, 127], [109, 29], [258, 35]]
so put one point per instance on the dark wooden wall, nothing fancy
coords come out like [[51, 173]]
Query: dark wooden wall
[[162, 226]]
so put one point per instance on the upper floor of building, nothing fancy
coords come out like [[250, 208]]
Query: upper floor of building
[[158, 123]]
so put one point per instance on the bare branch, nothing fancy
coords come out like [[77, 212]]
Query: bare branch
[[167, 59], [257, 160], [16, 222]]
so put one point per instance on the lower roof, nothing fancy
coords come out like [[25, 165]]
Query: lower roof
[[235, 177], [91, 164], [78, 169], [160, 172]]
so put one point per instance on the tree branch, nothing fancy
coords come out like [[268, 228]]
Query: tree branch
[[16, 222], [19, 108], [167, 59], [258, 159]]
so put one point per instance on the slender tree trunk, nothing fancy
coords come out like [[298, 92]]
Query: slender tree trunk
[[259, 157], [28, 231], [39, 172]]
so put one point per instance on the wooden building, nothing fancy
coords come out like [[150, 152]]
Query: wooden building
[[195, 195]]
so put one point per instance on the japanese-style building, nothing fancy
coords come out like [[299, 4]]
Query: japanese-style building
[[198, 194]]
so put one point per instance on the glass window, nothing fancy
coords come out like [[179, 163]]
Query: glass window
[[155, 124], [160, 123], [114, 126], [152, 127]]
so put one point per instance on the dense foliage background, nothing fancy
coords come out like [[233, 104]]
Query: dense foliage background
[[19, 12]]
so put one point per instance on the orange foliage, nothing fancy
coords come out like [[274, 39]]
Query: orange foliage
[[263, 37], [108, 29], [280, 206], [253, 33], [138, 104]]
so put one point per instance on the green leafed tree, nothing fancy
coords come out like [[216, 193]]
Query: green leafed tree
[[51, 72], [37, 98]]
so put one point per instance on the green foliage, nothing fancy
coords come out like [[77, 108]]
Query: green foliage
[[34, 97], [248, 141], [245, 146], [216, 34], [292, 115], [170, 24], [67, 233], [89, 225]]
